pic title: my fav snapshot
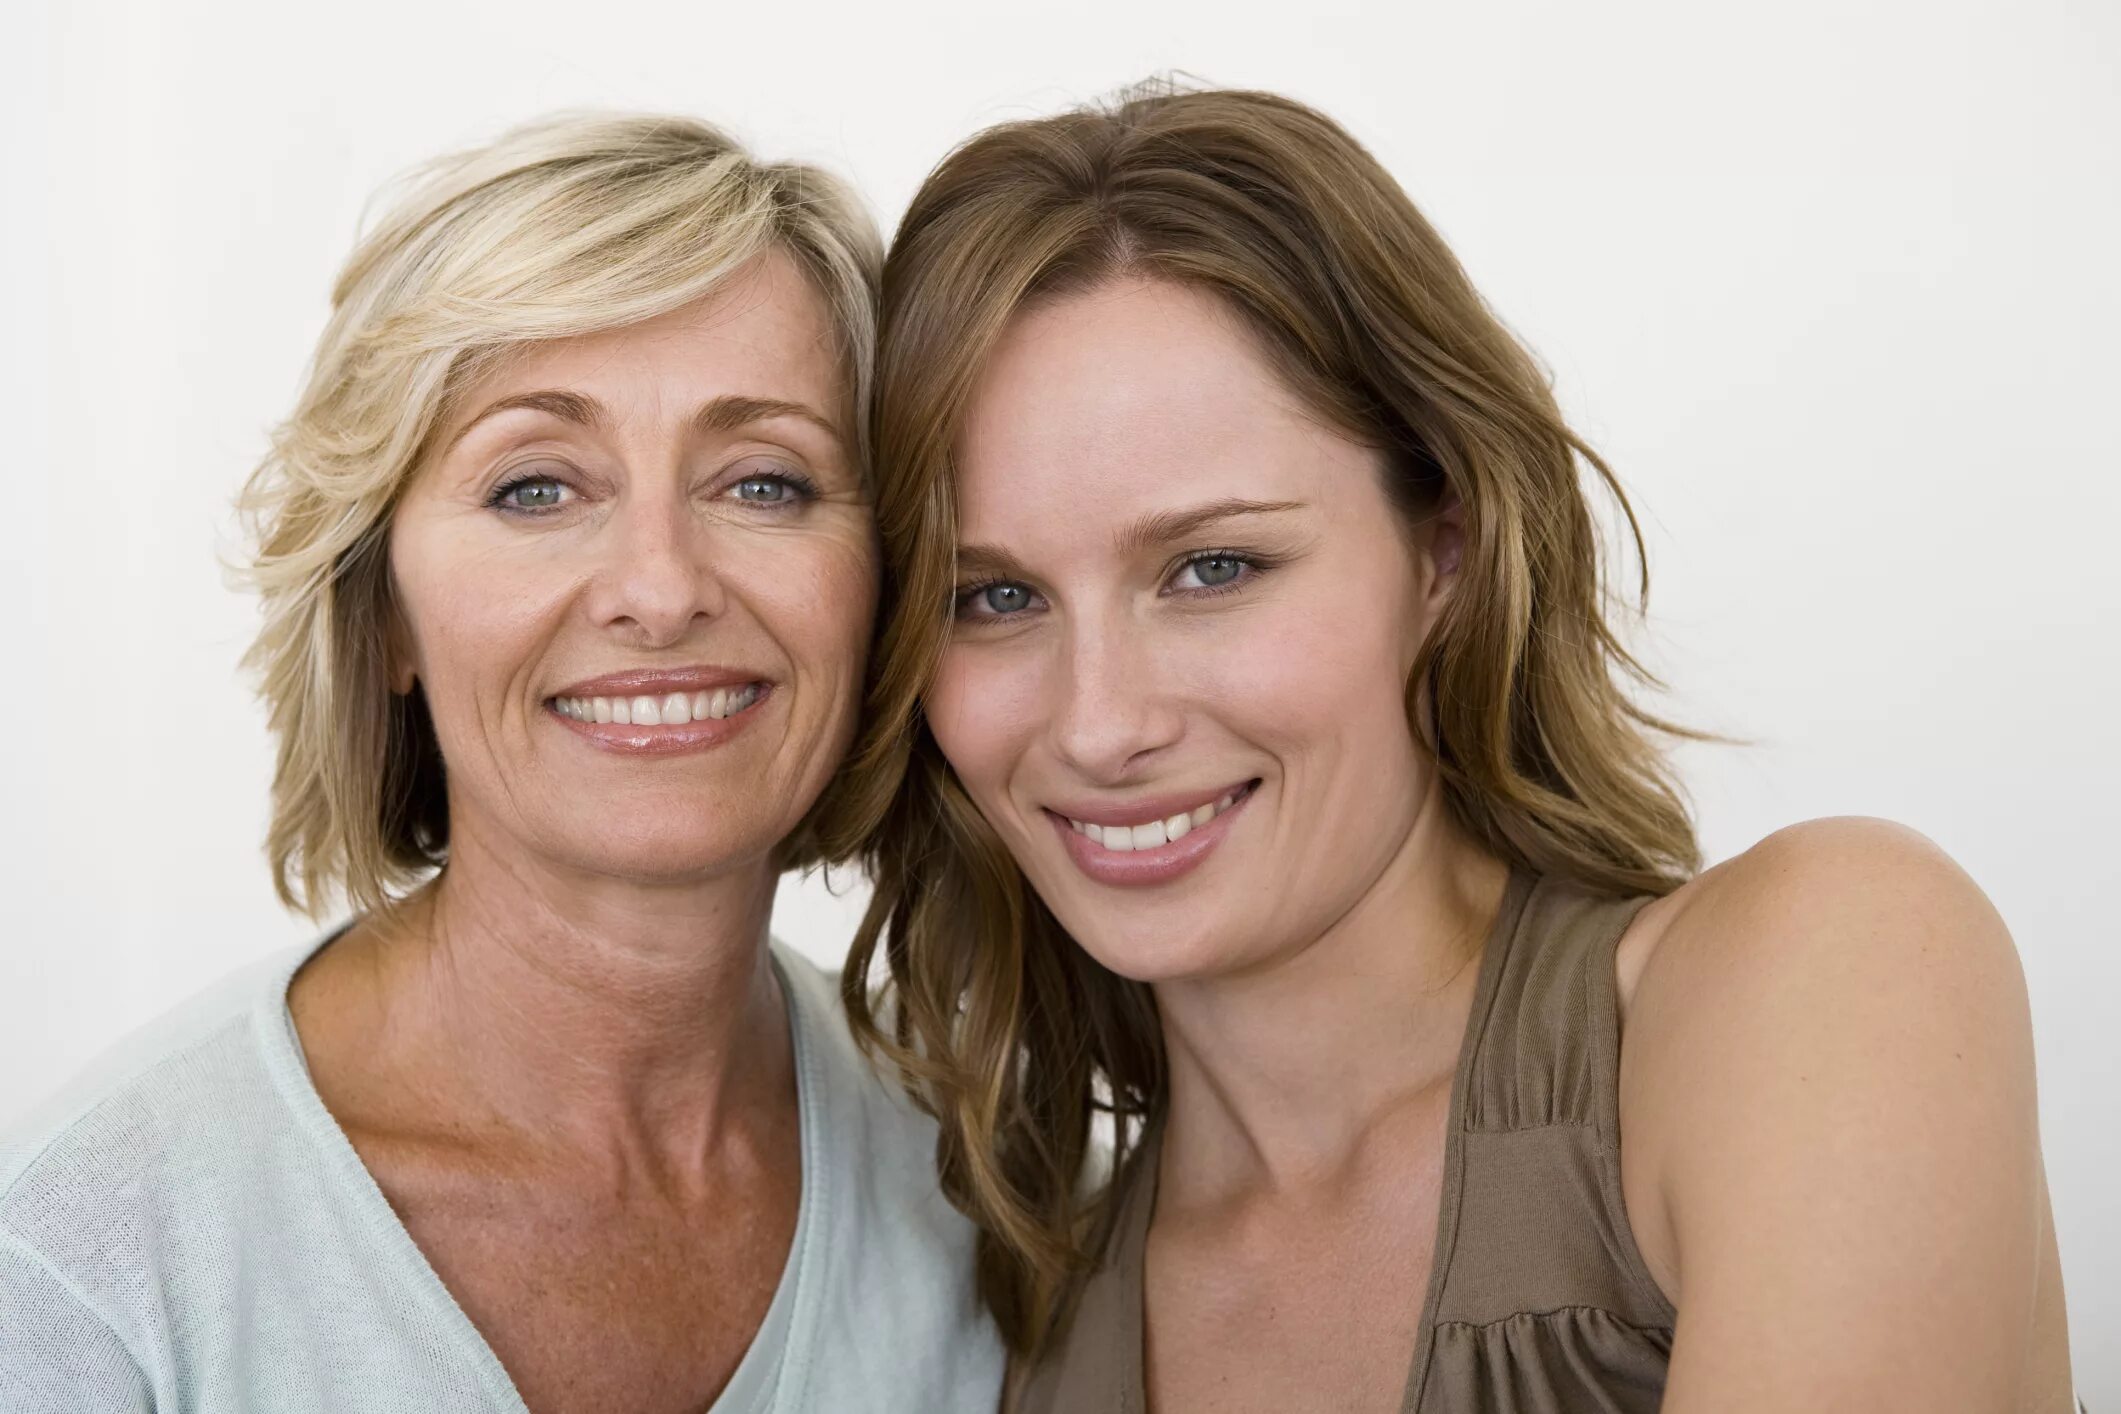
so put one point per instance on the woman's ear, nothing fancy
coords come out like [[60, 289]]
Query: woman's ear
[[402, 663], [1445, 546]]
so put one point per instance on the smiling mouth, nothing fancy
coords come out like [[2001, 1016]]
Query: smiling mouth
[[669, 709], [1149, 834]]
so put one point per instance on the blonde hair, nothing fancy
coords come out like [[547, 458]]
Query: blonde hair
[[566, 226], [1006, 1030]]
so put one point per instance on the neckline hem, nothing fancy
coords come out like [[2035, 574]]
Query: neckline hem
[[759, 1371], [1131, 1368]]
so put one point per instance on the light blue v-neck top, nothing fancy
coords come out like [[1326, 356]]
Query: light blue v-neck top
[[185, 1228]]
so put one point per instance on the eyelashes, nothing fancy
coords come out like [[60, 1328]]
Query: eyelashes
[[1213, 573], [1221, 571], [498, 498], [798, 486], [544, 488], [963, 603]]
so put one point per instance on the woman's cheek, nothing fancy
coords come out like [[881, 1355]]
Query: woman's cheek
[[983, 709]]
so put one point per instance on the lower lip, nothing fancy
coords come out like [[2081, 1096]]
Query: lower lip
[[626, 740], [1142, 867]]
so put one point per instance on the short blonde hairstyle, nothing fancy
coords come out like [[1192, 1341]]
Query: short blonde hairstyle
[[566, 226]]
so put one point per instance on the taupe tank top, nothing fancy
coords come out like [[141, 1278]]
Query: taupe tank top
[[1538, 1301]]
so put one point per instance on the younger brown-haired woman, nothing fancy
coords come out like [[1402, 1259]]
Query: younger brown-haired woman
[[1252, 756]]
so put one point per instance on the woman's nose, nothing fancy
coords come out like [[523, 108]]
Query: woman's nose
[[656, 575], [1112, 709]]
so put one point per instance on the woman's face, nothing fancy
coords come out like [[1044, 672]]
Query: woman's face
[[636, 582], [1186, 616]]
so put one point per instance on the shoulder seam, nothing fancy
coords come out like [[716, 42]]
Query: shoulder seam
[[73, 1291], [29, 1161]]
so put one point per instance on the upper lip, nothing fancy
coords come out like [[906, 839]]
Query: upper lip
[[649, 681], [1148, 808]]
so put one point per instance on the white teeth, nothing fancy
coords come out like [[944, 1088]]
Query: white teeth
[[1125, 839], [672, 710]]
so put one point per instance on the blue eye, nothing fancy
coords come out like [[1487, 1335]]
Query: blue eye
[[764, 490], [1217, 569], [1001, 599], [772, 488], [530, 493]]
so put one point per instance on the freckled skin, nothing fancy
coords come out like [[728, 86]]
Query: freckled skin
[[655, 565], [1340, 875], [1891, 1247], [1092, 413], [567, 1063]]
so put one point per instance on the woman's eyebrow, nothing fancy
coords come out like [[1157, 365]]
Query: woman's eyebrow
[[555, 402], [990, 561], [1159, 528], [734, 410], [1163, 527], [726, 413]]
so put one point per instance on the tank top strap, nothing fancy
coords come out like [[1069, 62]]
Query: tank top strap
[[1545, 1043], [1534, 1218]]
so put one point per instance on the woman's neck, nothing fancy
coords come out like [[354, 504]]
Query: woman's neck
[[626, 1025], [1277, 1075]]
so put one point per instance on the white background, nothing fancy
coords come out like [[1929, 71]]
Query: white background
[[1833, 284]]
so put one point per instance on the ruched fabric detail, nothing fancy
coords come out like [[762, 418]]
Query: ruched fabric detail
[[1538, 1300], [1580, 1359]]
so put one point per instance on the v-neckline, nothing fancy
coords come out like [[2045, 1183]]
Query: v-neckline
[[1131, 1235], [756, 1371]]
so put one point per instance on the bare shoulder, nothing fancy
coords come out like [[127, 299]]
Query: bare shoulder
[[1828, 943], [1827, 1086], [1820, 907]]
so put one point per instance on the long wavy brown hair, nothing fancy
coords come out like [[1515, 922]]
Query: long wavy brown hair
[[1002, 1027]]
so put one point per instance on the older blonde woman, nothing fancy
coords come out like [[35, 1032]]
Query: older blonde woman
[[569, 571]]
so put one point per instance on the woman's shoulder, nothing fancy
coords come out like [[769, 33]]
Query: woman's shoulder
[[867, 1120], [1841, 988], [174, 1082], [126, 1192], [883, 1224], [1813, 904]]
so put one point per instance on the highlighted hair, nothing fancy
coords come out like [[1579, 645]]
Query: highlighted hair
[[1009, 1033], [567, 226]]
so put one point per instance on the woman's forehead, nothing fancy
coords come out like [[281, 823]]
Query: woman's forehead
[[1126, 400], [765, 334]]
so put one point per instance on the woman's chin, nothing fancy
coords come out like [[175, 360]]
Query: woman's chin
[[1153, 955], [661, 859]]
